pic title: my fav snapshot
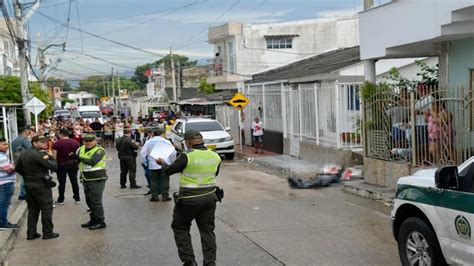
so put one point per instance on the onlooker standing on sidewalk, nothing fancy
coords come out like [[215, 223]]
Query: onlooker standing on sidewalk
[[257, 133], [7, 185], [62, 150], [34, 165], [19, 145], [97, 127], [127, 153]]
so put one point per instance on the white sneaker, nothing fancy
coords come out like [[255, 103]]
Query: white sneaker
[[54, 205], [77, 202]]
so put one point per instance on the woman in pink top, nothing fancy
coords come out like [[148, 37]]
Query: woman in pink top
[[434, 131]]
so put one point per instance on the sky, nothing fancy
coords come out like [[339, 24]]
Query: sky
[[148, 28]]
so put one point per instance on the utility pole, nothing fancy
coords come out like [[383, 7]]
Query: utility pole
[[173, 77], [180, 79], [113, 93], [119, 94], [22, 41]]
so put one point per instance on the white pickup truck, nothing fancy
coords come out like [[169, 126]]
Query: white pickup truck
[[433, 215]]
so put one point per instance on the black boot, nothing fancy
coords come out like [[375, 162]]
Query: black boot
[[97, 226], [89, 223], [190, 263]]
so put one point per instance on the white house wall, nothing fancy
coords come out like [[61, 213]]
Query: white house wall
[[404, 22], [315, 37]]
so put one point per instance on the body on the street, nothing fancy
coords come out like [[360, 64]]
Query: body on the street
[[92, 168], [67, 167], [34, 165], [127, 154], [196, 199]]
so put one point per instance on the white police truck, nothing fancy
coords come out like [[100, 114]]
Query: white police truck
[[433, 215]]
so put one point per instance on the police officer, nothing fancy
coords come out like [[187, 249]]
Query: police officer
[[196, 199], [93, 176], [34, 165], [127, 153]]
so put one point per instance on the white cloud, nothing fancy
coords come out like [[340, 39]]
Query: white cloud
[[338, 13]]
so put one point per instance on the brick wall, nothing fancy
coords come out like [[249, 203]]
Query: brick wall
[[384, 173]]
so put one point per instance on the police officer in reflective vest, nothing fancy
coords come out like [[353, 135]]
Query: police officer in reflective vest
[[93, 176], [196, 198]]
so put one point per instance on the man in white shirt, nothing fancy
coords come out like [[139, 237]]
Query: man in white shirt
[[160, 183], [257, 134]]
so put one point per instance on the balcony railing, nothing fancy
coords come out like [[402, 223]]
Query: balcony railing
[[221, 67]]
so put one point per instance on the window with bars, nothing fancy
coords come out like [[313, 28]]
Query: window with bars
[[353, 101], [279, 43]]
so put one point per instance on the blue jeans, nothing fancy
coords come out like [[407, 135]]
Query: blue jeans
[[22, 187], [6, 193]]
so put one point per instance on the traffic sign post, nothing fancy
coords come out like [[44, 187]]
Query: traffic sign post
[[239, 101], [35, 106]]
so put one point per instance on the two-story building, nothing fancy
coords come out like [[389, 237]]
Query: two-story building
[[439, 28], [8, 53], [244, 49]]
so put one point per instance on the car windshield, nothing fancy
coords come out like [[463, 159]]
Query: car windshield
[[62, 112], [204, 126], [90, 114]]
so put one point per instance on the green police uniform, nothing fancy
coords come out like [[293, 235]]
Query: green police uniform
[[34, 165], [93, 176], [199, 168]]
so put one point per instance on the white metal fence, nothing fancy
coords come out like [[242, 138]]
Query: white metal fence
[[325, 113]]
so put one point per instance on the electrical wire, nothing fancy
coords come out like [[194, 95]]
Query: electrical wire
[[68, 20], [171, 11], [87, 67], [80, 27], [189, 41], [101, 59], [100, 37]]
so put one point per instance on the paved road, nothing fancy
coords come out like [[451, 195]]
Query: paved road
[[261, 222]]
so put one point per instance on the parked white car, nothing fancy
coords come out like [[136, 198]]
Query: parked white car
[[433, 215], [214, 135]]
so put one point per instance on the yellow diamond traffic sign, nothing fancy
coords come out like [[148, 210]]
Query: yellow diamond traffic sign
[[239, 101]]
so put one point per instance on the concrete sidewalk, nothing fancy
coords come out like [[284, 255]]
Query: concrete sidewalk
[[16, 214]]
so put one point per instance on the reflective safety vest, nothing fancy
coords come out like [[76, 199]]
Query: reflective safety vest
[[201, 169], [84, 168]]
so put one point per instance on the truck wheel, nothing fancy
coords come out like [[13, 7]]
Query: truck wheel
[[418, 245], [229, 156]]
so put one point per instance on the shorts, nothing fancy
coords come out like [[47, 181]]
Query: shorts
[[257, 139], [98, 134]]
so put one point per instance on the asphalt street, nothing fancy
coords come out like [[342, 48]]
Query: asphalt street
[[260, 222]]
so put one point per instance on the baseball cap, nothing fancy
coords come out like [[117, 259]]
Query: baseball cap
[[88, 137], [39, 138], [192, 134]]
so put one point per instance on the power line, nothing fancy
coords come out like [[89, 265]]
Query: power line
[[80, 27], [87, 67], [100, 37], [101, 59], [190, 40]]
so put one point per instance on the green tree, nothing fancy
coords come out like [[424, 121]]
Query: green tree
[[95, 84], [140, 78], [58, 82], [10, 92], [205, 86]]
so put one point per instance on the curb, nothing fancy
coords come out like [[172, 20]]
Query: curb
[[362, 189], [6, 244]]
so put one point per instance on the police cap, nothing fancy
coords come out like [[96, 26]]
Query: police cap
[[39, 138], [192, 134], [88, 137]]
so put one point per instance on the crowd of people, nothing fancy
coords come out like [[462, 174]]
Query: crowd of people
[[433, 132], [71, 147]]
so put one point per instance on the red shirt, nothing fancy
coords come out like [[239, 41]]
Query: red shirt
[[64, 147]]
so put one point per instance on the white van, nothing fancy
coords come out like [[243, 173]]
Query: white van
[[90, 113]]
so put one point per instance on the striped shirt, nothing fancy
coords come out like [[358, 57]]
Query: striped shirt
[[5, 168]]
